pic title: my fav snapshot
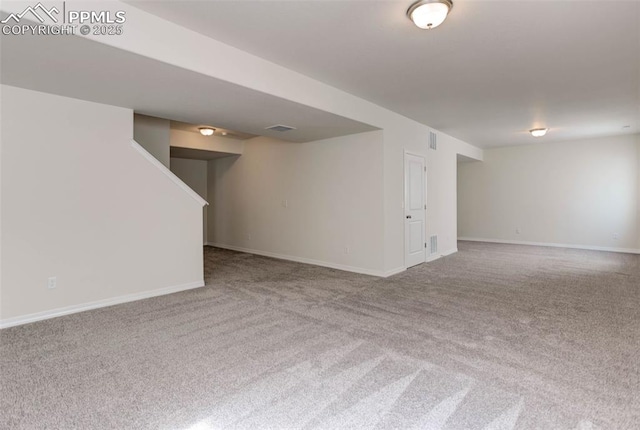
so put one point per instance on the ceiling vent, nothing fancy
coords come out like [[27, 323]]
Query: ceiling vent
[[281, 128]]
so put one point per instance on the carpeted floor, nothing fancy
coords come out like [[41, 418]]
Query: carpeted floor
[[493, 337]]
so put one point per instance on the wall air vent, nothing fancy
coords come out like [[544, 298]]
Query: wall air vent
[[433, 140], [434, 245], [281, 128]]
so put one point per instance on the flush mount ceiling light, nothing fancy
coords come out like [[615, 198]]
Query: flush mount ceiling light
[[428, 14], [538, 132], [206, 131]]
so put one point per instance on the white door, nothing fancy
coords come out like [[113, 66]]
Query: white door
[[414, 210]]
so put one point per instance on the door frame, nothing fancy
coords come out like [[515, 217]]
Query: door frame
[[404, 203]]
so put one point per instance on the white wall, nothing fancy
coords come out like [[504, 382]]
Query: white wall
[[575, 193], [316, 179], [442, 193], [153, 135], [194, 174], [332, 190], [79, 203]]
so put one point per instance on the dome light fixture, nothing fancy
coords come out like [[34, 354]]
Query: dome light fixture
[[538, 132], [206, 131], [428, 14]]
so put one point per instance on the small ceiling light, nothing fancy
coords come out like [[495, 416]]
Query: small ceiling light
[[428, 14], [538, 132], [206, 131], [224, 133]]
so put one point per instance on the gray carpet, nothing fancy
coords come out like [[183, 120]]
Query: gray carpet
[[494, 337]]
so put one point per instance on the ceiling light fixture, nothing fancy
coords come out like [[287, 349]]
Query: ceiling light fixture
[[428, 14], [206, 131], [538, 132]]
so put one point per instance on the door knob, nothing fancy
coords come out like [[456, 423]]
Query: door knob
[[408, 216]]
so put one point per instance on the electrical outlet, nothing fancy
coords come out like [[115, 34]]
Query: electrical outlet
[[285, 203], [52, 282], [249, 236], [616, 236], [346, 249], [517, 230]]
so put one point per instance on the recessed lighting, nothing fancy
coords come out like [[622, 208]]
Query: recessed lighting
[[224, 133], [206, 131], [538, 132], [428, 14], [626, 126]]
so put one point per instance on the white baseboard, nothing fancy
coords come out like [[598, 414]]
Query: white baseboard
[[39, 316], [449, 252], [353, 269], [553, 245], [394, 271]]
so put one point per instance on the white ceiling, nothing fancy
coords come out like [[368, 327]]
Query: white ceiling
[[80, 68], [492, 71]]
